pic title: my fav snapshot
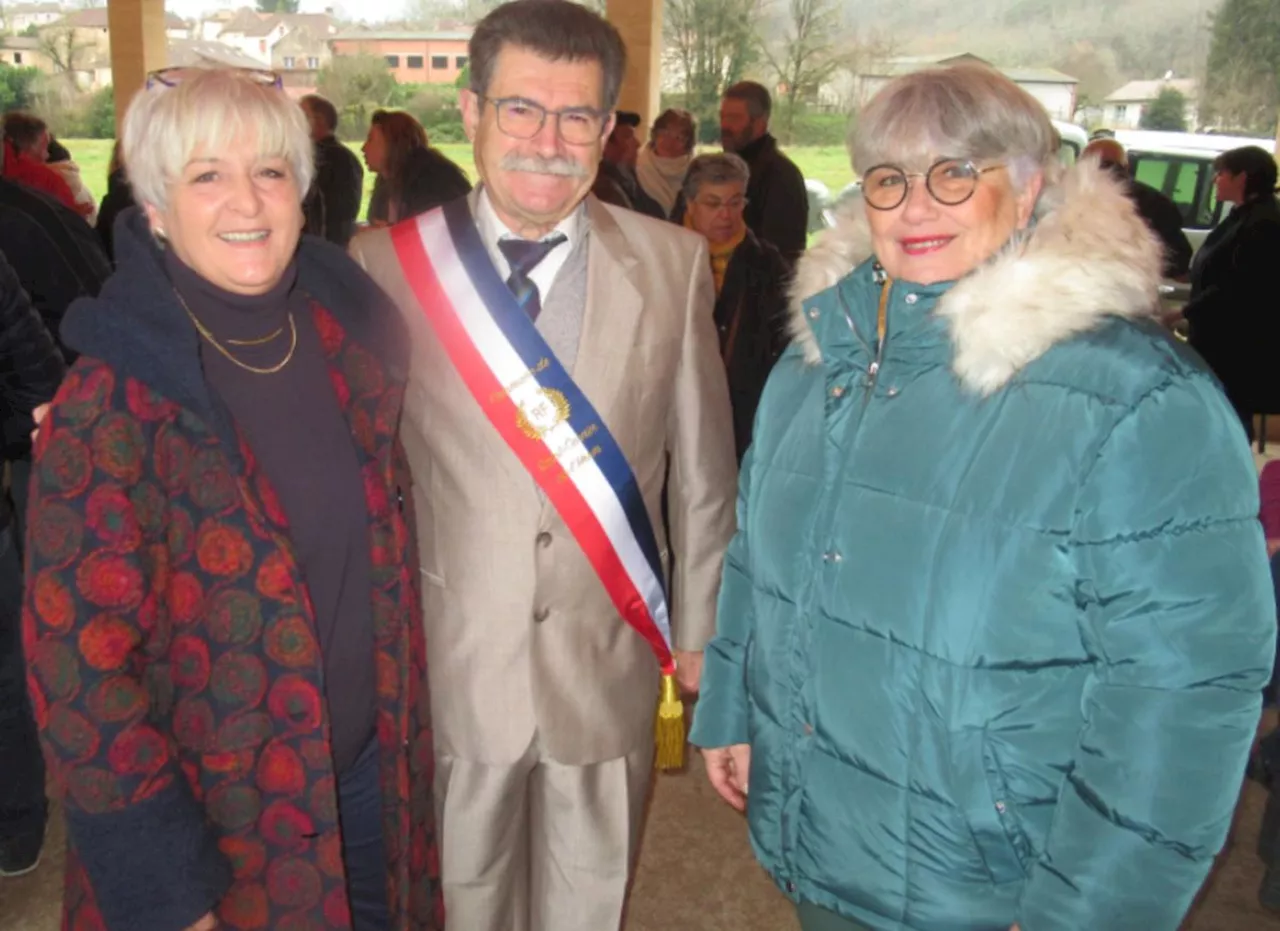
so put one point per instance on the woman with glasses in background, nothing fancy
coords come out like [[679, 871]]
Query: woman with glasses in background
[[412, 177], [994, 628], [662, 164], [226, 655], [750, 279]]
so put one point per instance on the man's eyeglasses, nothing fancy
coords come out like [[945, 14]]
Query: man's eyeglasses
[[172, 77], [950, 182], [524, 119]]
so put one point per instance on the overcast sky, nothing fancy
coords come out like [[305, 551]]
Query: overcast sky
[[368, 10]]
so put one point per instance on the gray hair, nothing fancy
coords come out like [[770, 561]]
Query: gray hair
[[964, 111], [715, 168], [209, 109], [558, 30]]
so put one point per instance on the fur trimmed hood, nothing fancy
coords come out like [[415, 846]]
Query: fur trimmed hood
[[1089, 256]]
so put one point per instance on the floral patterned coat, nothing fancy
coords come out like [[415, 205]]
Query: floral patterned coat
[[174, 664]]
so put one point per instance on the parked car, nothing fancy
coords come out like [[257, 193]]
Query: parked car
[[1074, 139]]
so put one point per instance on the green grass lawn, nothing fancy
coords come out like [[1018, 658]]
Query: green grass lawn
[[828, 164]]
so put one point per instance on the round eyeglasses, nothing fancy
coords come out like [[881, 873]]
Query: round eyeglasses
[[524, 119], [950, 182]]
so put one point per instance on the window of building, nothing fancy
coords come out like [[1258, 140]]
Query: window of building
[[288, 61], [1122, 111], [17, 58], [415, 61], [313, 63], [393, 61], [439, 62], [460, 62]]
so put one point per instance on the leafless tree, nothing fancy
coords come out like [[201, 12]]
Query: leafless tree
[[807, 54]]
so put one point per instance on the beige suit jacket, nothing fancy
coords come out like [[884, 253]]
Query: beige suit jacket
[[521, 637]]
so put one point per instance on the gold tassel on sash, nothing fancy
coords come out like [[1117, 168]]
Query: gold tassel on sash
[[668, 727]]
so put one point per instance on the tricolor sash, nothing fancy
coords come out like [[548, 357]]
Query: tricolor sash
[[540, 412]]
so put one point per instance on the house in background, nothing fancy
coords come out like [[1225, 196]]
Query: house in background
[[411, 57], [201, 53], [1124, 107], [254, 34], [79, 46], [24, 52], [848, 90], [22, 16], [283, 41]]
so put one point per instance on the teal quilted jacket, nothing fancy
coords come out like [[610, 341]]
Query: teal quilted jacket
[[998, 614]]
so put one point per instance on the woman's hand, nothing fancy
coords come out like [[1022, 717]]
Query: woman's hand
[[208, 923], [38, 415], [727, 768]]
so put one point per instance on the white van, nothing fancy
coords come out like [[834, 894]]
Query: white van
[[1180, 165], [1073, 140]]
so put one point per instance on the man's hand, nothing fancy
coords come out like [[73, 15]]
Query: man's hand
[[727, 768], [38, 415], [688, 670], [208, 923]]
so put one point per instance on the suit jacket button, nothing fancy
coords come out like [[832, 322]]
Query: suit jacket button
[[541, 615], [544, 540]]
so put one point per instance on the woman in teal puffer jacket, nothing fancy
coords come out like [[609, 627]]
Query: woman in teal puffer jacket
[[994, 628]]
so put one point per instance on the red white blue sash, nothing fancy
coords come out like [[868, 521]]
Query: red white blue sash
[[539, 411]]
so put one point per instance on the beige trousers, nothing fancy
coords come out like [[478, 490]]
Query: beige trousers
[[537, 845]]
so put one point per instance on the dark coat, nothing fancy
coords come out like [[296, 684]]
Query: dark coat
[[118, 199], [340, 183], [777, 203], [57, 258], [1233, 326], [751, 318], [619, 186], [79, 250], [1165, 220], [430, 179], [174, 664], [31, 366]]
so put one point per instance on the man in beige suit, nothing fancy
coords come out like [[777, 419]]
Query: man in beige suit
[[544, 699]]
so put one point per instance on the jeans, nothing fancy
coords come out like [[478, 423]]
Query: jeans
[[363, 853], [22, 800]]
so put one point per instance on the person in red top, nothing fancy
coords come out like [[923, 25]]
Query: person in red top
[[26, 149]]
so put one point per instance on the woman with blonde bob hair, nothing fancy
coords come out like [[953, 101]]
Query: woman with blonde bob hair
[[226, 655], [995, 625]]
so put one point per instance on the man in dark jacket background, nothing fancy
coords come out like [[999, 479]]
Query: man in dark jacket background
[[1159, 212], [339, 177], [31, 368], [777, 205]]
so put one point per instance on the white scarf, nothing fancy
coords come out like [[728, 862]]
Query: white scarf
[[662, 178]]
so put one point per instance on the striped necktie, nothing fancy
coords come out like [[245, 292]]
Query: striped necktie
[[523, 256]]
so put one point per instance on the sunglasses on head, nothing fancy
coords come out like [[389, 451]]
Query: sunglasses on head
[[172, 77]]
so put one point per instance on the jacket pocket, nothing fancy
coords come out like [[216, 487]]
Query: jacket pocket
[[997, 828]]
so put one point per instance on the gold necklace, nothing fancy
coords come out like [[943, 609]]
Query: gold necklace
[[293, 342], [262, 341]]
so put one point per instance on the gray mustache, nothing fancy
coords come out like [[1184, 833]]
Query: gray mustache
[[535, 164]]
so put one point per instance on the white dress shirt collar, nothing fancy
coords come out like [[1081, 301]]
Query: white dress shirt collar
[[492, 230]]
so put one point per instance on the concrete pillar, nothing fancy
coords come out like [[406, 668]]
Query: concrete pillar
[[138, 45], [640, 22]]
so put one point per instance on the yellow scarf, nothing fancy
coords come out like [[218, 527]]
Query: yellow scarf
[[720, 254]]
